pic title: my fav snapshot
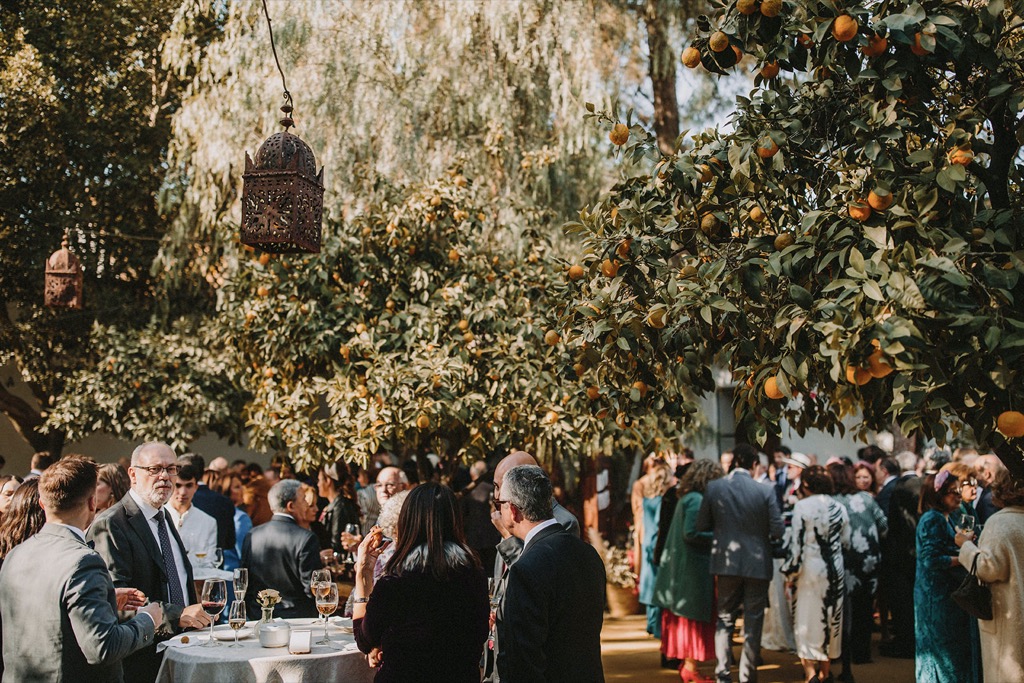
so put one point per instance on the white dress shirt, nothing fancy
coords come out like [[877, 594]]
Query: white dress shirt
[[197, 529], [179, 562]]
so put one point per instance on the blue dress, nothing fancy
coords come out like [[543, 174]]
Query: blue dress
[[942, 629], [649, 570]]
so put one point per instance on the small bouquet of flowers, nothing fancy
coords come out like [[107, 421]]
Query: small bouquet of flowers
[[268, 597]]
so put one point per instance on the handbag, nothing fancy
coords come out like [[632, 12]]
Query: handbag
[[973, 596]]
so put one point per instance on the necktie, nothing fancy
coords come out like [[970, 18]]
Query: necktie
[[173, 581]]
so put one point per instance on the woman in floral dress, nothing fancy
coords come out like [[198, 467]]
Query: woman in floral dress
[[816, 573], [868, 526]]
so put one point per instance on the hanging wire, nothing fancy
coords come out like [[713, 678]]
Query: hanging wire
[[273, 48]]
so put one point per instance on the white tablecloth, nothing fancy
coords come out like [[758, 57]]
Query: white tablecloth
[[255, 664]]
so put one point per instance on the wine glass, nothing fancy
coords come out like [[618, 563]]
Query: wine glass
[[236, 619], [326, 604], [495, 601], [241, 582], [965, 524], [215, 594], [218, 557], [201, 557]]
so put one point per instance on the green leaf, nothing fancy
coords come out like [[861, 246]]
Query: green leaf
[[801, 297], [945, 181], [872, 290]]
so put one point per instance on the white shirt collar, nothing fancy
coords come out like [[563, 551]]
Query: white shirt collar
[[148, 510], [74, 529], [535, 530]]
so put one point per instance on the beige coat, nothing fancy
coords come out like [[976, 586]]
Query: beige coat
[[1001, 565]]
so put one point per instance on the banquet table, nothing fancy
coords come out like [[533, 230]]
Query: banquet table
[[185, 663]]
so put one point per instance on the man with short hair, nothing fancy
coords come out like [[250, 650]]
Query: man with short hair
[[282, 555], [214, 504], [142, 549], [57, 602], [899, 557], [197, 529], [40, 461], [390, 480], [549, 621], [986, 467], [745, 519]]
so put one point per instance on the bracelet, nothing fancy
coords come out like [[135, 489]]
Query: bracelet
[[357, 601]]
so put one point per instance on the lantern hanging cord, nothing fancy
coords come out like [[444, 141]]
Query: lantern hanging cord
[[273, 48]]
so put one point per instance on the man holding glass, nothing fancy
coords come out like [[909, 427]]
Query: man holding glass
[[142, 549], [61, 622], [197, 529]]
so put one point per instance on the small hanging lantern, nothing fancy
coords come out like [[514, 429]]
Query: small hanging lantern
[[282, 192], [63, 284]]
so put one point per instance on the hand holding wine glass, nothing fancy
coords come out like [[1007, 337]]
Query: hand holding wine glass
[[215, 595], [236, 619], [326, 604]]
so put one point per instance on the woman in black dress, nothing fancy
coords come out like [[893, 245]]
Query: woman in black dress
[[428, 613]]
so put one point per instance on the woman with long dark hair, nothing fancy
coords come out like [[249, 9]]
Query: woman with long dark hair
[[428, 613], [24, 517]]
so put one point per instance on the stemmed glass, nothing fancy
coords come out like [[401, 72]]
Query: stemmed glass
[[495, 601], [240, 579], [236, 619], [326, 604], [215, 595], [965, 524], [218, 557]]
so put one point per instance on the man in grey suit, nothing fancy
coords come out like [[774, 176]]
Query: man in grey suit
[[510, 547], [57, 602], [137, 540], [745, 519], [282, 555]]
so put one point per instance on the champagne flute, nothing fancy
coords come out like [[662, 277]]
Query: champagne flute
[[236, 619], [326, 604], [215, 595], [218, 557], [241, 582]]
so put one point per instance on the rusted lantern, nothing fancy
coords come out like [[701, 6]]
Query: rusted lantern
[[63, 284], [283, 195]]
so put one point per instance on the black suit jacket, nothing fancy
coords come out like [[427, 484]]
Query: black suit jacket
[[221, 509], [282, 555], [549, 622], [124, 539], [985, 507], [885, 495], [900, 547], [336, 515]]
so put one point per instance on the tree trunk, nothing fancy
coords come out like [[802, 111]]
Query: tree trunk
[[27, 420], [663, 77]]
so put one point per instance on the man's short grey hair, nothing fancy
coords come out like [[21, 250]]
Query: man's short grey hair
[[141, 448], [529, 489], [907, 460], [282, 493]]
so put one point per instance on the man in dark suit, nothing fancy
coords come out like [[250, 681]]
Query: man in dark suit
[[986, 467], [282, 555], [888, 471], [744, 517], [142, 550], [549, 621], [214, 504], [509, 548], [59, 611], [899, 558]]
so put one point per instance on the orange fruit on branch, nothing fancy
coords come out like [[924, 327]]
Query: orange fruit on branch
[[766, 147], [770, 71], [423, 421], [878, 364], [623, 249], [690, 57], [641, 387], [917, 48], [718, 42], [656, 319], [859, 211], [771, 388], [962, 156], [844, 28], [783, 240], [551, 338], [705, 173], [880, 199], [771, 8], [876, 47], [757, 214], [609, 268], [593, 392], [619, 134], [576, 272], [1011, 423], [857, 375], [747, 7]]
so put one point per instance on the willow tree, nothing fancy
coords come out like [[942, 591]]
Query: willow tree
[[850, 244], [454, 145]]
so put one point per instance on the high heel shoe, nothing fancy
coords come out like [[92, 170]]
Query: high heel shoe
[[693, 676]]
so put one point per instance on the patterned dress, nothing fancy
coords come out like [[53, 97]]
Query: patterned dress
[[820, 531], [862, 559]]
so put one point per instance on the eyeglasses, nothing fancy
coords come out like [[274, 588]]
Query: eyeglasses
[[387, 486], [156, 470], [498, 502], [973, 483]]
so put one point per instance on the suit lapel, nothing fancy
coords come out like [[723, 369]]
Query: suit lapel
[[190, 582], [140, 525]]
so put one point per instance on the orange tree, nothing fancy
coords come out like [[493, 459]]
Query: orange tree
[[851, 239]]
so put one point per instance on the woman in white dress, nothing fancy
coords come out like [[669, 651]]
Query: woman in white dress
[[814, 567]]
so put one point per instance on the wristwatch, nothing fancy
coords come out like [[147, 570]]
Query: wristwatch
[[356, 601]]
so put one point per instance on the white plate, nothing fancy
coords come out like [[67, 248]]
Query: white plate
[[225, 633]]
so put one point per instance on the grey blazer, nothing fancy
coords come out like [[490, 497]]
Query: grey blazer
[[744, 517], [59, 613], [282, 555]]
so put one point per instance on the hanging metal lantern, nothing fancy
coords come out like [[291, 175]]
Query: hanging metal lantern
[[283, 195], [63, 284]]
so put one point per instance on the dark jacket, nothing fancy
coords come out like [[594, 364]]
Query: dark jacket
[[430, 630], [221, 509], [549, 622], [335, 516], [282, 555], [124, 539]]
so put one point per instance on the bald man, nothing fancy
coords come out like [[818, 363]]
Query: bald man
[[986, 467], [510, 548]]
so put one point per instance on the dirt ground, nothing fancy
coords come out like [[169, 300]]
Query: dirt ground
[[630, 654]]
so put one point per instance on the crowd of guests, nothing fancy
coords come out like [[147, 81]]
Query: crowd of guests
[[809, 554]]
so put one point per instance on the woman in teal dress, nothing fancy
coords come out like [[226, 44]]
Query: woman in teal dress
[[684, 587], [646, 501], [942, 629]]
